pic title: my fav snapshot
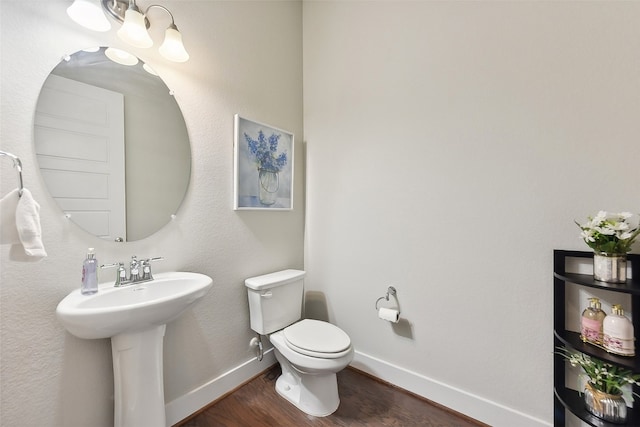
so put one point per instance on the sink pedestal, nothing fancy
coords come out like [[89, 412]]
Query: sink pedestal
[[138, 378], [135, 318]]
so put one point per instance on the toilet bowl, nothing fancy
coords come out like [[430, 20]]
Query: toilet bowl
[[309, 362], [310, 352]]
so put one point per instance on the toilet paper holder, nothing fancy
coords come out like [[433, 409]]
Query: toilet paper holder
[[390, 291]]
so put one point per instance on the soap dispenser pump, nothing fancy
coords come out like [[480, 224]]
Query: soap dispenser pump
[[89, 274], [591, 322], [618, 333]]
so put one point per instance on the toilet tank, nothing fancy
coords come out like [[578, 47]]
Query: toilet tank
[[275, 300]]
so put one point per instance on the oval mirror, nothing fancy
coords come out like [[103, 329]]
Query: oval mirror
[[111, 144]]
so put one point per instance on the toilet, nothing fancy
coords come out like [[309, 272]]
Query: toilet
[[310, 352]]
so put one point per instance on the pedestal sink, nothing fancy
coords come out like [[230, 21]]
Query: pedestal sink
[[134, 316]]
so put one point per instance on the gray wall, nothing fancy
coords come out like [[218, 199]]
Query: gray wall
[[450, 147]]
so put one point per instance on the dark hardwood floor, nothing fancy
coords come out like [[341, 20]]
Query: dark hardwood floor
[[364, 401]]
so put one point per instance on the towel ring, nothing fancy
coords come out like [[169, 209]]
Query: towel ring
[[18, 165], [390, 291]]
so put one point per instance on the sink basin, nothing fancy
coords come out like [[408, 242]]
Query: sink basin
[[134, 317], [132, 307]]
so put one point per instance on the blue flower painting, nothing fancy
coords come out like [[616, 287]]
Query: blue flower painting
[[263, 166], [265, 151]]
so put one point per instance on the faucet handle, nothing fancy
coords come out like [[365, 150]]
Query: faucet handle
[[146, 267], [121, 276]]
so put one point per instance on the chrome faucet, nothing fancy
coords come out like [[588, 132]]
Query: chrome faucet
[[135, 273], [134, 270]]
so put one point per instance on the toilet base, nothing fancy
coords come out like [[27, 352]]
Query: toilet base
[[313, 394]]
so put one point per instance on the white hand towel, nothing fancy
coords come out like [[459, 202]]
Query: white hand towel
[[8, 229], [26, 225]]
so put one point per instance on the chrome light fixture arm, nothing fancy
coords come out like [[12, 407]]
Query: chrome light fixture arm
[[117, 8], [173, 25]]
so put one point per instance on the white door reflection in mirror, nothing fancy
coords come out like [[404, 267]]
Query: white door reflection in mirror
[[79, 142]]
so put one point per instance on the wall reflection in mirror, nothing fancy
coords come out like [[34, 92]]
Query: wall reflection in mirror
[[112, 144]]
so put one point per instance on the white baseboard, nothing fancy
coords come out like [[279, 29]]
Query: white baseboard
[[188, 404], [458, 400], [466, 403]]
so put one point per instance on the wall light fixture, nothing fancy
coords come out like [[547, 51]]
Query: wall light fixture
[[88, 13], [134, 25]]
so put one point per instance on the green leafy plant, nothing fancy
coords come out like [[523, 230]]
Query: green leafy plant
[[609, 233], [603, 376]]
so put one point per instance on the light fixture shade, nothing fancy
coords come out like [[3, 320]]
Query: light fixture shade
[[172, 47], [88, 13], [134, 30], [120, 56]]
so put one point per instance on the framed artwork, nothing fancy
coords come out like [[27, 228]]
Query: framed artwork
[[263, 166]]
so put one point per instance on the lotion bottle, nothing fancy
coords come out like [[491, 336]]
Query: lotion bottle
[[89, 274], [591, 322], [618, 332]]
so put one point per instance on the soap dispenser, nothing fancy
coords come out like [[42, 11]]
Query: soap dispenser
[[591, 322], [89, 274], [618, 332]]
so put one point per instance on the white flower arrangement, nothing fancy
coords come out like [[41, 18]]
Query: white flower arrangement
[[609, 233]]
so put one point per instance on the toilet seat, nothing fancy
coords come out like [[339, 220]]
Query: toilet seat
[[316, 338]]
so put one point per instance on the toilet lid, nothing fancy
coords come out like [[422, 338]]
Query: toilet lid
[[314, 336]]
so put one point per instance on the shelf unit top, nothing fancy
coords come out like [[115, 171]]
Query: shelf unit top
[[629, 287]]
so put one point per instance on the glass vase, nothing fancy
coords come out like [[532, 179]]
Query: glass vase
[[611, 268], [269, 182], [609, 407]]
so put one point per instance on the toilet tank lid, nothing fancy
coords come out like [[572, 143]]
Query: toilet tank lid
[[270, 280]]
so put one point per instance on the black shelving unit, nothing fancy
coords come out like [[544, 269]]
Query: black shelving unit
[[569, 399]]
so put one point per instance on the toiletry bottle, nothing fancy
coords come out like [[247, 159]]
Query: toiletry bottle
[[618, 332], [591, 322], [90, 274]]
